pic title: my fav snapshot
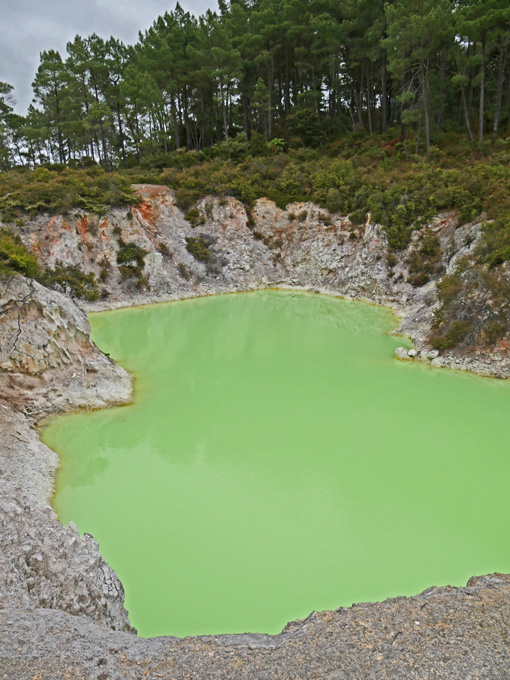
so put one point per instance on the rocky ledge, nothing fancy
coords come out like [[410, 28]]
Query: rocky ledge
[[61, 605], [219, 247], [443, 633], [48, 363]]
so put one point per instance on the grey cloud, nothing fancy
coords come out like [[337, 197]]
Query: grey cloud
[[31, 26]]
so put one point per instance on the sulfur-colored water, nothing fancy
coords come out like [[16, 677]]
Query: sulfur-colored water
[[277, 460]]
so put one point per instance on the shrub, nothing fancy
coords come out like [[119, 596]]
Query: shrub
[[198, 248], [391, 260], [493, 331], [303, 123], [73, 281], [424, 261], [194, 217], [62, 189], [15, 256], [333, 200], [455, 334], [358, 217], [494, 248], [131, 257]]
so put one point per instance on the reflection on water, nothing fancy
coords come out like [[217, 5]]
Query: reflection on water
[[277, 459]]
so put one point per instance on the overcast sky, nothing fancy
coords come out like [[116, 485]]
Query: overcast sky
[[31, 26]]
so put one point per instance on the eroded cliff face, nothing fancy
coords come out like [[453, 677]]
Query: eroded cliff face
[[230, 250], [303, 246], [58, 597], [47, 566], [47, 364], [47, 358]]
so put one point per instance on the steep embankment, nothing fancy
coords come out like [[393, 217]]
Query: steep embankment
[[57, 595], [48, 364], [152, 252]]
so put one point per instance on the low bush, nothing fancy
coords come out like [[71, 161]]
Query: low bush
[[198, 248], [61, 190], [452, 336], [73, 281], [15, 258], [130, 258], [194, 217], [425, 261]]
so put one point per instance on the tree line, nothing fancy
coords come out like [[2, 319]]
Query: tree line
[[298, 72]]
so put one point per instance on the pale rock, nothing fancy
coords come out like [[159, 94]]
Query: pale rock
[[402, 354]]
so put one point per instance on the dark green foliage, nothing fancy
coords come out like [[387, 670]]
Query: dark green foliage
[[131, 259], [475, 299], [495, 246], [198, 248], [59, 191], [255, 78], [449, 288], [333, 200], [304, 125], [362, 178], [358, 217], [493, 331], [454, 335], [194, 217], [15, 258], [73, 281], [424, 260]]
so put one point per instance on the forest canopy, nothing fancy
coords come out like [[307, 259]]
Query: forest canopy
[[299, 73]]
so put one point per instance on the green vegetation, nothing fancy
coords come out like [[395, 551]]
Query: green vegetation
[[475, 302], [15, 258], [198, 248], [288, 74], [59, 189], [130, 259], [194, 217], [398, 110], [358, 174], [73, 281], [424, 261]]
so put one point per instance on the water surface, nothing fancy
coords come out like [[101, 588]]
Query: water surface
[[278, 460]]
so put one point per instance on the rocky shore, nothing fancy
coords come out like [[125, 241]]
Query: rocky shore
[[61, 605], [442, 633]]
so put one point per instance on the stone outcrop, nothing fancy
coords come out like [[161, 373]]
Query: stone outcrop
[[46, 565], [48, 363], [302, 246], [61, 605], [444, 633]]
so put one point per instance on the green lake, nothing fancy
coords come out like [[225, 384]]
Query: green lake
[[278, 460]]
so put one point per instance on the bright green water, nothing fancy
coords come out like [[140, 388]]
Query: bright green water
[[277, 460]]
